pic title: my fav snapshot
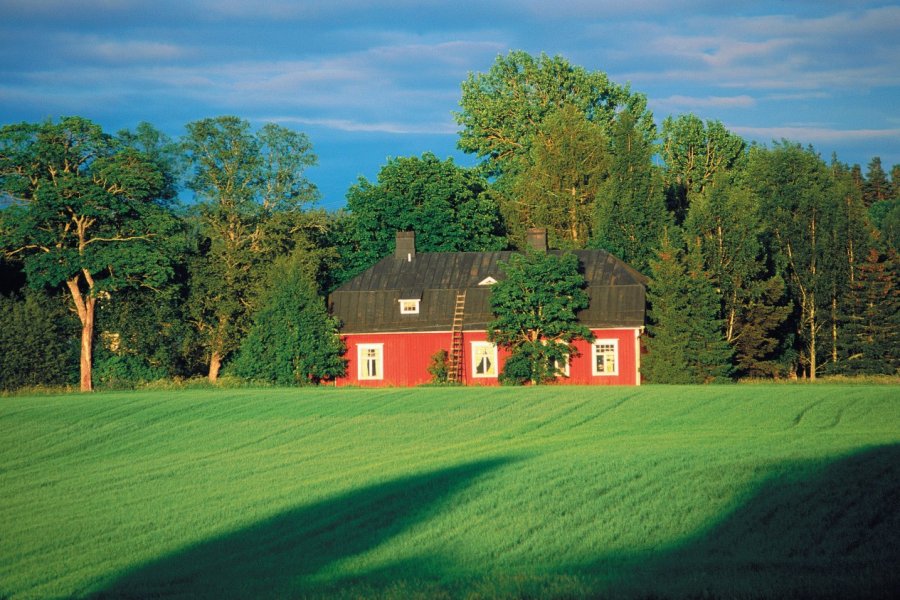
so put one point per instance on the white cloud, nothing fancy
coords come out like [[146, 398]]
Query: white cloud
[[132, 51], [447, 128], [678, 101], [855, 49], [815, 135]]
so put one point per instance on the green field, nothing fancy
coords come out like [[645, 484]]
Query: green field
[[765, 491]]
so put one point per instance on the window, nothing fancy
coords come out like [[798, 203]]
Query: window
[[371, 361], [484, 359], [605, 354], [409, 307], [560, 369]]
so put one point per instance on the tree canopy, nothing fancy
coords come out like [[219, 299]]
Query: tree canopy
[[244, 179], [450, 208], [86, 214]]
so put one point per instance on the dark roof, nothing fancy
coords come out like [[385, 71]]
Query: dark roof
[[370, 301]]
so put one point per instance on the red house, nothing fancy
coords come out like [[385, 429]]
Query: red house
[[400, 312]]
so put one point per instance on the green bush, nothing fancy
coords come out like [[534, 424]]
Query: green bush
[[293, 340], [38, 345]]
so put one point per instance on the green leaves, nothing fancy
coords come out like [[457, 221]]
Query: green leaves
[[245, 180], [87, 211], [448, 207], [503, 108], [535, 308], [685, 343], [293, 340]]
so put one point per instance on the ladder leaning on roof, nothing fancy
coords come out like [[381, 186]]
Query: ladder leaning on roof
[[455, 371]]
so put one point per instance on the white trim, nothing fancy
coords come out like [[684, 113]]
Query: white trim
[[490, 357], [487, 281], [596, 350], [409, 310], [637, 355], [363, 365]]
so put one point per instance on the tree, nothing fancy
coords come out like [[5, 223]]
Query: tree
[[242, 179], [693, 153], [870, 333], [564, 170], [535, 308], [876, 188], [161, 150], [725, 224], [630, 211], [685, 342], [800, 206], [503, 109], [36, 346], [450, 208], [293, 339], [86, 215]]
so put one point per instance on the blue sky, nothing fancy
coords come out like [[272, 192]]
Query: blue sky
[[369, 80]]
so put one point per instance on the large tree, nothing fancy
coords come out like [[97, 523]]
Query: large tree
[[876, 188], [86, 215], [535, 307], [503, 109], [869, 336], [801, 205], [242, 179], [450, 208], [36, 345], [725, 223], [293, 340]]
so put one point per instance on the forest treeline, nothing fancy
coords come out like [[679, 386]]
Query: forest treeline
[[132, 257]]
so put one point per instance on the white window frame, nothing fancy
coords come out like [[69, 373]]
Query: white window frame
[[362, 359], [492, 356], [409, 306], [604, 347], [564, 372]]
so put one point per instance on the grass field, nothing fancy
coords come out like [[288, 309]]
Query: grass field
[[734, 491]]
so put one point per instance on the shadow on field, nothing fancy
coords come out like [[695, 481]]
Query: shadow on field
[[814, 531], [274, 559]]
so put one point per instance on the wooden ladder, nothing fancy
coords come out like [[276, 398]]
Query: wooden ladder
[[455, 371]]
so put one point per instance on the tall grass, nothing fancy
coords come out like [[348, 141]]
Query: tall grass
[[739, 491]]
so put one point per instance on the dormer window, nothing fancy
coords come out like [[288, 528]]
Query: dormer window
[[409, 307], [487, 281]]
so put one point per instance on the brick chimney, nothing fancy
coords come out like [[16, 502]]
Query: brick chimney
[[406, 246], [537, 238]]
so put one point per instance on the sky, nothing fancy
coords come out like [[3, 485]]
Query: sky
[[371, 80]]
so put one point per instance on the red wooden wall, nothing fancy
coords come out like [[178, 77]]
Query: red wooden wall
[[406, 357]]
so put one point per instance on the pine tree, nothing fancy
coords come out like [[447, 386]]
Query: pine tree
[[870, 335], [877, 187], [685, 342]]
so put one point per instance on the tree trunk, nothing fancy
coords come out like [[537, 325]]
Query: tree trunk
[[215, 362], [812, 342], [84, 306], [87, 346]]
